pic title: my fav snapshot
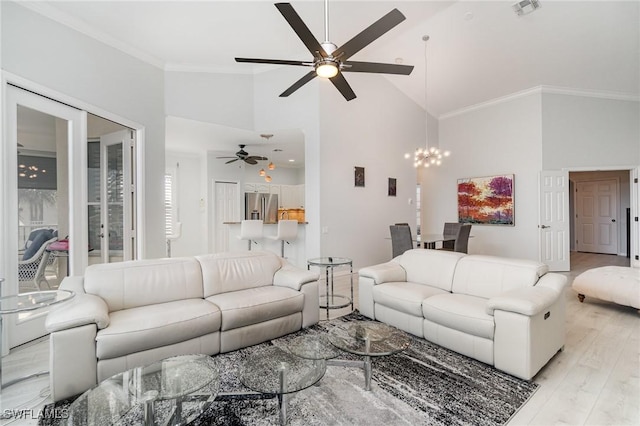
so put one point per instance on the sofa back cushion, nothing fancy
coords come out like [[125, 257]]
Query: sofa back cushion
[[431, 267], [134, 283], [489, 276], [225, 272]]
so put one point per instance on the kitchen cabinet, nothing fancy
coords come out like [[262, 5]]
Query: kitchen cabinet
[[257, 187], [300, 196], [275, 190]]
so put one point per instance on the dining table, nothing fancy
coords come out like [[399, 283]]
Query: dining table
[[429, 240]]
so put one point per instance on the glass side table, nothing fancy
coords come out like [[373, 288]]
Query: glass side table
[[331, 300], [28, 302]]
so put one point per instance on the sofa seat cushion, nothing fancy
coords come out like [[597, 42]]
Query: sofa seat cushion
[[460, 312], [148, 327], [403, 296], [255, 305]]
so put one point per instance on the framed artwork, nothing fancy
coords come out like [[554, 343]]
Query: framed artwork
[[359, 176], [486, 200], [392, 187]]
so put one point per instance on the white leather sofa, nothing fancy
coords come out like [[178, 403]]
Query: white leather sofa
[[134, 313], [508, 313]]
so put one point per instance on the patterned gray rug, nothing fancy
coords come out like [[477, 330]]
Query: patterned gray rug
[[424, 385]]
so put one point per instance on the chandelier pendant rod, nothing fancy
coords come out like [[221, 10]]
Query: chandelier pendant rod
[[326, 21]]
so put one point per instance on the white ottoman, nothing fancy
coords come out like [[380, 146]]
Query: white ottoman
[[617, 284]]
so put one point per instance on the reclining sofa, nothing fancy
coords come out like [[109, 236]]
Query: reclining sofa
[[504, 312], [134, 313]]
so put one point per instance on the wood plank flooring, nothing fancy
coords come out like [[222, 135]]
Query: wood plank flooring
[[594, 381]]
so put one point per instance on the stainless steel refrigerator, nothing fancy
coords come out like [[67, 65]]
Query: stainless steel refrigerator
[[262, 206]]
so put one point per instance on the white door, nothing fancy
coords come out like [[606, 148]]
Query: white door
[[111, 198], [596, 216], [554, 221], [227, 209], [70, 153]]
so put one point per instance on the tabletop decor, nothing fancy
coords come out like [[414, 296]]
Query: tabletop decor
[[486, 200]]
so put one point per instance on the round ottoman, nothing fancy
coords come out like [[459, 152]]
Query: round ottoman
[[617, 284]]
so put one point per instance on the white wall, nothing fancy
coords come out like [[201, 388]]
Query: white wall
[[64, 60], [524, 135], [373, 131], [503, 138], [191, 203], [225, 99], [578, 131]]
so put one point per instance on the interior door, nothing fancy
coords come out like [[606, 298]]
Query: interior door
[[110, 198], [553, 223], [227, 209], [596, 216], [69, 134]]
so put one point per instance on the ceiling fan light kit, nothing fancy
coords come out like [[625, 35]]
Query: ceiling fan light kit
[[331, 61]]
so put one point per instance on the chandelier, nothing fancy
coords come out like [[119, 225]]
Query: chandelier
[[427, 156]]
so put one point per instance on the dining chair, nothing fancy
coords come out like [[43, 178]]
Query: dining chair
[[461, 244], [450, 229], [401, 240]]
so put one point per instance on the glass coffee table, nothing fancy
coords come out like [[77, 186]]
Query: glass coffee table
[[275, 372], [174, 391], [330, 300], [365, 338]]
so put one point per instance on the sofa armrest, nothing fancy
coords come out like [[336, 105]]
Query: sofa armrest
[[293, 277], [75, 284], [554, 281], [81, 310], [384, 272], [527, 301]]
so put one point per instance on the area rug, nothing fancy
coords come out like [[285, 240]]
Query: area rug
[[424, 385]]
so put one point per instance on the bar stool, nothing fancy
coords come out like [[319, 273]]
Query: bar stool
[[287, 232], [251, 230]]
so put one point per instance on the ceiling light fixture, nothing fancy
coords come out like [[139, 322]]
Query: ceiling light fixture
[[426, 156], [525, 7], [271, 166], [262, 172], [267, 178]]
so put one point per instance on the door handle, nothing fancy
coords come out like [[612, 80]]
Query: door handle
[[544, 226], [613, 220]]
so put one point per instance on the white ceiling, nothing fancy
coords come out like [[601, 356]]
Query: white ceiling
[[479, 50]]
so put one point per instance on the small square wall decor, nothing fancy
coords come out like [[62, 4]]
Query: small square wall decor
[[392, 187], [359, 176], [486, 200]]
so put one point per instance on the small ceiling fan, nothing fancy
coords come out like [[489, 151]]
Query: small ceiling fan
[[244, 156], [329, 60]]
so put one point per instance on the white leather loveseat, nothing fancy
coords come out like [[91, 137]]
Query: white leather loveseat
[[134, 313], [508, 313]]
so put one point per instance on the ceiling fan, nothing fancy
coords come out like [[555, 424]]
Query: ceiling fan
[[329, 60], [244, 156]]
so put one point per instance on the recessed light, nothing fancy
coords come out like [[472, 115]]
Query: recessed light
[[277, 150], [399, 60], [291, 160]]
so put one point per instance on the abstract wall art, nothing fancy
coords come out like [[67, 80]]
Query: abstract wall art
[[486, 200]]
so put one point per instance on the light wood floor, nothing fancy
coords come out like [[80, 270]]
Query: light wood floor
[[594, 381]]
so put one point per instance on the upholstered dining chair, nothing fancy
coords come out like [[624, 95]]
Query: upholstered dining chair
[[401, 240], [450, 229]]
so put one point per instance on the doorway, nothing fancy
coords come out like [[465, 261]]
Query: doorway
[[598, 202], [227, 209]]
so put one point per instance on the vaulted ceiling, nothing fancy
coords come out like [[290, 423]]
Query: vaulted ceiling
[[478, 50]]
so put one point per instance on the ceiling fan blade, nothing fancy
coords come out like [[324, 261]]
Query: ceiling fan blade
[[301, 29], [341, 84], [351, 66], [220, 158], [274, 61], [231, 161], [256, 157], [369, 34], [298, 84], [250, 161]]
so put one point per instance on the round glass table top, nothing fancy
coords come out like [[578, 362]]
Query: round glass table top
[[189, 380], [34, 300], [274, 371], [312, 347], [329, 261], [369, 338]]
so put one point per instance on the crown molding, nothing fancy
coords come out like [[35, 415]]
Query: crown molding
[[212, 69], [554, 90], [55, 14]]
